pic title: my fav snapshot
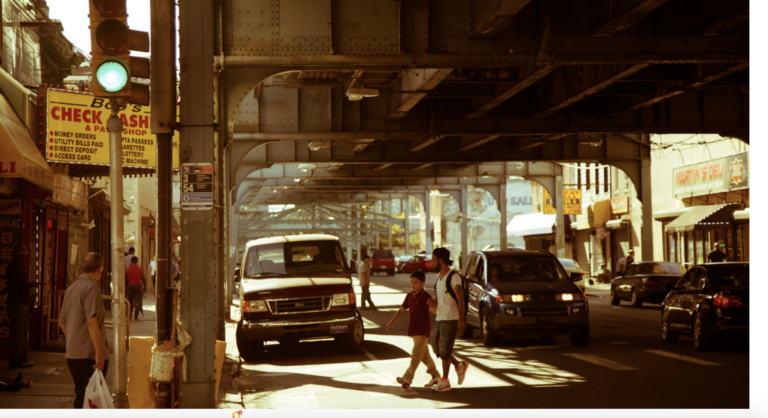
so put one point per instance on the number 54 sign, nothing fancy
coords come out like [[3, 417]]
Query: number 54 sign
[[197, 186]]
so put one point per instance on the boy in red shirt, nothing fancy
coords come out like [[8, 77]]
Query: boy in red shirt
[[419, 329]]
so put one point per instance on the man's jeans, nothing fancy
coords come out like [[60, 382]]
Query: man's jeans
[[81, 371], [420, 354], [366, 296], [18, 314]]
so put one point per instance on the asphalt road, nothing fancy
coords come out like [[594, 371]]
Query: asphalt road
[[625, 365]]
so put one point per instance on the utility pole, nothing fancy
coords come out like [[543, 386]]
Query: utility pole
[[560, 217], [197, 227], [120, 383], [163, 83]]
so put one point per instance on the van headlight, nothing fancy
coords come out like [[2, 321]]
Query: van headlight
[[341, 299], [256, 306]]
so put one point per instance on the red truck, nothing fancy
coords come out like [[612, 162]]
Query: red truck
[[383, 261]]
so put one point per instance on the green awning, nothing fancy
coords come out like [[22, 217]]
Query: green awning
[[703, 217]]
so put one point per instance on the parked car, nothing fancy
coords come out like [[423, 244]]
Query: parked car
[[644, 282], [710, 302], [571, 266], [383, 261], [497, 247], [399, 261], [293, 288], [523, 293], [417, 263]]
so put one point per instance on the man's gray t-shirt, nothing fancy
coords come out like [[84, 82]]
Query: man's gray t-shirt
[[128, 260], [363, 268], [82, 301]]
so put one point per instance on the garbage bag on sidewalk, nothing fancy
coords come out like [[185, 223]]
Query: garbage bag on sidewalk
[[97, 393]]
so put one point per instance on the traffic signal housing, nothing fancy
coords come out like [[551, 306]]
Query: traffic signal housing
[[111, 63]]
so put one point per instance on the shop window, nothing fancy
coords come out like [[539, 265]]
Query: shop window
[[689, 242], [605, 179], [700, 248], [672, 246]]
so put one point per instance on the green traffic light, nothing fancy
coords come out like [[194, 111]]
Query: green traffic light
[[112, 75]]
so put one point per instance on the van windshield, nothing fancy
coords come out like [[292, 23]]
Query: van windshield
[[294, 258]]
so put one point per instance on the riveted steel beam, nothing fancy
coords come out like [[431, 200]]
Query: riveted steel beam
[[500, 19], [527, 78], [423, 80], [722, 25], [635, 12]]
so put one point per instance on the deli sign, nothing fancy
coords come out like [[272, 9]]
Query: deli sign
[[714, 176]]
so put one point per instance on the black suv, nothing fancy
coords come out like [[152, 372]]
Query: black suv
[[523, 293], [294, 288]]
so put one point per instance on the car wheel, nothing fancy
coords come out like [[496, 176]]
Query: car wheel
[[614, 298], [490, 336], [702, 339], [636, 302], [666, 334], [354, 339], [581, 338], [250, 351]]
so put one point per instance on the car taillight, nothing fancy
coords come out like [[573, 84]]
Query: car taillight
[[725, 301], [352, 298], [652, 283]]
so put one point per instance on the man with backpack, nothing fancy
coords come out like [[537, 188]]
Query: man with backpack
[[449, 311]]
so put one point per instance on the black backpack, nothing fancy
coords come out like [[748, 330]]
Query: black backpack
[[449, 288]]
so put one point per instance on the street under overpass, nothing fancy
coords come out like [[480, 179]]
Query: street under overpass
[[463, 93]]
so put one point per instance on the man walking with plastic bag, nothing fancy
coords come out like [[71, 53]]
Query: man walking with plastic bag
[[82, 321]]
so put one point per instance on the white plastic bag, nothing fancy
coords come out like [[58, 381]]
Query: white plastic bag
[[97, 393]]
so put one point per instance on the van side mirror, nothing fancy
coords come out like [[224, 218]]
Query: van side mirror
[[237, 273], [575, 277]]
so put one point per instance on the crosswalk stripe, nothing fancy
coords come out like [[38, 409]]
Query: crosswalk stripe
[[683, 358], [600, 361], [370, 356], [293, 400]]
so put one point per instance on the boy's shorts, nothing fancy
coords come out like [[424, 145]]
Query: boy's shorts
[[442, 338]]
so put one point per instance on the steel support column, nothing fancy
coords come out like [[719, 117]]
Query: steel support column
[[407, 225], [197, 227], [464, 207], [389, 226], [503, 212], [428, 224], [559, 218], [646, 240]]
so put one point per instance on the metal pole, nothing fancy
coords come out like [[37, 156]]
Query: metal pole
[[120, 382], [198, 294], [219, 212], [428, 224], [503, 213], [405, 223], [389, 225], [559, 217], [464, 206]]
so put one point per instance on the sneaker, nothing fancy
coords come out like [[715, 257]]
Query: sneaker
[[442, 386], [461, 370], [404, 383], [432, 382]]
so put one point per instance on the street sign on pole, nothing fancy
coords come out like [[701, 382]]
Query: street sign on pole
[[197, 186]]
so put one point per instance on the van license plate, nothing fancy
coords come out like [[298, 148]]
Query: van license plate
[[339, 328]]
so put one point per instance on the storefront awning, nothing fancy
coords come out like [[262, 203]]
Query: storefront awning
[[19, 157], [617, 224], [99, 197], [535, 224], [741, 215], [665, 215], [703, 217]]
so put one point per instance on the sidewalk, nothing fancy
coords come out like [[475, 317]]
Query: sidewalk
[[52, 386], [602, 290]]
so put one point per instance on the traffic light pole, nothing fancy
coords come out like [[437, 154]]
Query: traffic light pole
[[120, 382]]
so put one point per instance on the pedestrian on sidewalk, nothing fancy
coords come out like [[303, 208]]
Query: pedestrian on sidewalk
[[135, 290], [419, 328], [364, 274], [624, 262], [17, 306], [153, 273], [449, 317], [717, 256], [604, 274], [82, 322]]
